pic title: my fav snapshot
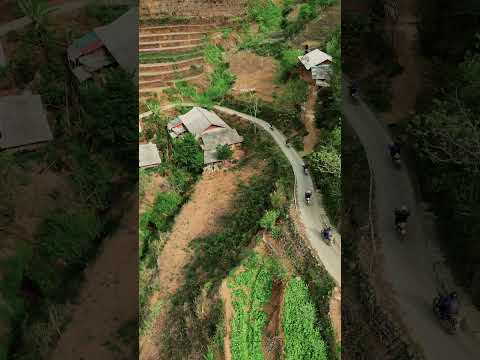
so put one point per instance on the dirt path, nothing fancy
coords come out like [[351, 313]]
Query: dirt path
[[409, 265], [407, 85], [212, 198], [228, 314], [98, 314], [336, 313], [273, 334], [308, 116]]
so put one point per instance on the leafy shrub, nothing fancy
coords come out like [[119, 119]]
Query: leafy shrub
[[269, 219], [64, 242], [224, 152], [165, 206], [302, 338], [251, 289], [180, 180], [187, 154], [266, 14], [105, 14], [111, 116], [288, 62], [293, 95]]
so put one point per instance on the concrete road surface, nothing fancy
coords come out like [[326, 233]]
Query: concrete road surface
[[408, 265], [313, 215]]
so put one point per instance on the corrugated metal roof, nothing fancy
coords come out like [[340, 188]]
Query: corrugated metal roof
[[313, 58], [220, 137], [148, 155], [210, 157], [121, 39], [321, 72], [198, 120], [23, 121]]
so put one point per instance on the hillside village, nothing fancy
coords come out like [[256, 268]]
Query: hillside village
[[61, 173], [232, 100]]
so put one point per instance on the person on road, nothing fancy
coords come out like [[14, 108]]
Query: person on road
[[271, 127], [401, 215], [354, 88], [394, 149], [449, 306], [308, 195], [327, 234], [305, 170]]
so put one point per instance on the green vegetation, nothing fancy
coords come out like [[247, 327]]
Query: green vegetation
[[251, 289], [224, 152], [221, 81], [214, 256], [105, 14], [302, 338], [266, 14], [446, 142], [308, 11], [149, 58]]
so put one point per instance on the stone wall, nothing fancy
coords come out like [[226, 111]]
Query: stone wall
[[187, 8]]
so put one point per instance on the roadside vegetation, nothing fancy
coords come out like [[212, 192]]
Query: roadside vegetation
[[446, 143], [46, 271]]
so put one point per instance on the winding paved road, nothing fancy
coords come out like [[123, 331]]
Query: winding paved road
[[313, 216], [408, 265]]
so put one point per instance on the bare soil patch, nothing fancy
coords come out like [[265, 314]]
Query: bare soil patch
[[98, 311], [336, 313], [254, 72], [272, 338], [228, 316], [210, 201], [156, 184], [308, 117], [318, 31]]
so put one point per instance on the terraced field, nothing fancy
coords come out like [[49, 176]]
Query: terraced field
[[169, 54]]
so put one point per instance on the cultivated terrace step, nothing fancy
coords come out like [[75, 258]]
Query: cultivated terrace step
[[157, 30], [173, 36], [172, 75], [172, 50], [164, 84], [172, 66], [169, 44]]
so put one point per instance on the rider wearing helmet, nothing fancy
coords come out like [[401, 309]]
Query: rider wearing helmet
[[308, 194], [327, 233], [449, 306], [354, 88], [394, 149], [401, 215]]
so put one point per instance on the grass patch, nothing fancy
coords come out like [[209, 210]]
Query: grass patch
[[302, 338], [251, 289]]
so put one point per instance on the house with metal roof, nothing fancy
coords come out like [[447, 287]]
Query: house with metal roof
[[103, 47], [209, 130], [148, 155], [318, 64], [23, 121], [314, 58]]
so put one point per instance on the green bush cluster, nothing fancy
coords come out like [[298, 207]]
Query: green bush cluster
[[266, 13], [302, 338], [65, 242], [251, 289]]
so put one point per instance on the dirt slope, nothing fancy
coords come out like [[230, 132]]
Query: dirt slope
[[97, 315], [212, 198], [309, 120]]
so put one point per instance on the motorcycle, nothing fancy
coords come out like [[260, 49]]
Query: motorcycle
[[397, 160], [305, 170], [307, 200], [402, 229], [452, 324]]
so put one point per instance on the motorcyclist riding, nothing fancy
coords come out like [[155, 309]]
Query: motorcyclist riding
[[401, 215], [308, 196], [354, 89], [449, 306], [305, 170], [327, 234], [394, 151]]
